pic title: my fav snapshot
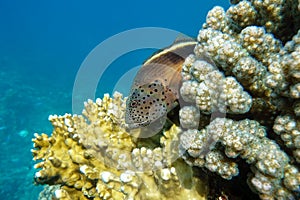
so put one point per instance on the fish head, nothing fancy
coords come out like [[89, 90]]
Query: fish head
[[146, 103]]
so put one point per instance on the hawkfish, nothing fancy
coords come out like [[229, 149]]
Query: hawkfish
[[155, 89]]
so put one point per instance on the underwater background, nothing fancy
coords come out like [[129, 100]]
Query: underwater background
[[42, 45]]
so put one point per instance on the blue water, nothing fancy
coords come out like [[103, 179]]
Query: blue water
[[42, 46]]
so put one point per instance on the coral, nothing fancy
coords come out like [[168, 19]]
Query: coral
[[189, 117], [246, 138], [91, 156], [239, 120], [249, 88], [48, 192], [289, 130], [210, 90], [277, 16]]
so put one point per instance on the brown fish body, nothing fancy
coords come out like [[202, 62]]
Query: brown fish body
[[156, 86], [166, 66]]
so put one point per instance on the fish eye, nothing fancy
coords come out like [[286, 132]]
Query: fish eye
[[133, 103]]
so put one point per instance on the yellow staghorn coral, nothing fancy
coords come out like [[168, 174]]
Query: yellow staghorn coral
[[92, 156]]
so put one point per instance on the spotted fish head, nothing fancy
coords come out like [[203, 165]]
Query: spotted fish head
[[146, 104]]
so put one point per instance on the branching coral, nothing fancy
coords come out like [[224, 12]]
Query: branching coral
[[255, 45], [93, 157], [273, 175], [211, 90], [240, 117]]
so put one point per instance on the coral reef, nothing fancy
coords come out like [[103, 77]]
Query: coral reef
[[93, 157], [240, 118], [250, 95], [273, 174], [48, 192]]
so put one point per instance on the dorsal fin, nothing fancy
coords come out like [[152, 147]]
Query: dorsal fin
[[180, 48], [183, 38]]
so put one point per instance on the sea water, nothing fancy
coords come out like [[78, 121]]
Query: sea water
[[43, 45]]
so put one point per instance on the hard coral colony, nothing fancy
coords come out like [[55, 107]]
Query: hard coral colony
[[252, 93]]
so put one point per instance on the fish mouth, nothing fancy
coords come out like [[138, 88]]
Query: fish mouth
[[137, 125], [154, 124], [145, 129]]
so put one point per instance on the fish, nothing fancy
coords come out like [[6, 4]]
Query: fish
[[155, 89]]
